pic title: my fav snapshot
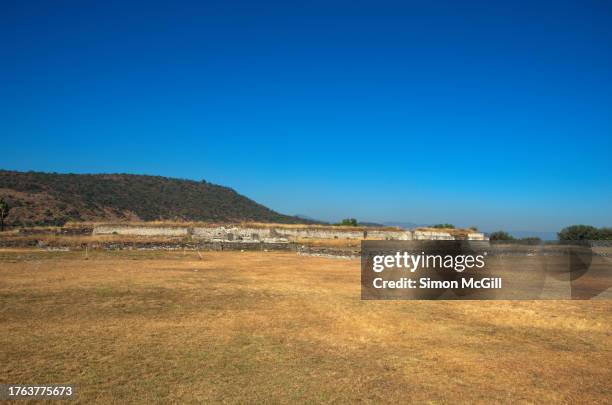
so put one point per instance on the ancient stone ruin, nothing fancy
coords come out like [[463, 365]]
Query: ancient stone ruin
[[273, 233]]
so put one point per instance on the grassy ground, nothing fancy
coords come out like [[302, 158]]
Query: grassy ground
[[278, 327]]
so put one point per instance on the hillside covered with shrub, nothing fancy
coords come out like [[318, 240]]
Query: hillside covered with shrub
[[53, 199]]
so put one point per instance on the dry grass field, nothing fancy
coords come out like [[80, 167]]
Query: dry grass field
[[282, 328]]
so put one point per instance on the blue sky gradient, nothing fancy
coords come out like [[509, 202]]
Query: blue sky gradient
[[496, 115]]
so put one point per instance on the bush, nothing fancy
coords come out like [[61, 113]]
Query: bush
[[348, 222], [501, 235], [585, 232]]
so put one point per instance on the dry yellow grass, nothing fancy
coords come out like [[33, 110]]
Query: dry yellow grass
[[277, 327]]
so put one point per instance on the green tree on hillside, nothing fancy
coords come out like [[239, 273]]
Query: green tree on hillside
[[4, 210], [444, 226]]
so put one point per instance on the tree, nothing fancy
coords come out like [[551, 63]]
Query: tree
[[501, 235], [4, 210], [444, 226], [348, 222], [579, 232]]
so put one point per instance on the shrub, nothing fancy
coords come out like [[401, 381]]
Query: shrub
[[501, 235], [348, 222], [579, 232]]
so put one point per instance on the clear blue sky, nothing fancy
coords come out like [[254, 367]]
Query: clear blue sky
[[497, 114]]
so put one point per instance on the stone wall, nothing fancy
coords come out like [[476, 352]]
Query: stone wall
[[432, 235], [275, 234], [390, 235], [140, 230], [316, 233], [239, 233]]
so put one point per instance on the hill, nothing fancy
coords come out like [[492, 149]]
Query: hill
[[53, 199]]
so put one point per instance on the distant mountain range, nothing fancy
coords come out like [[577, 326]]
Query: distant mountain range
[[53, 199]]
